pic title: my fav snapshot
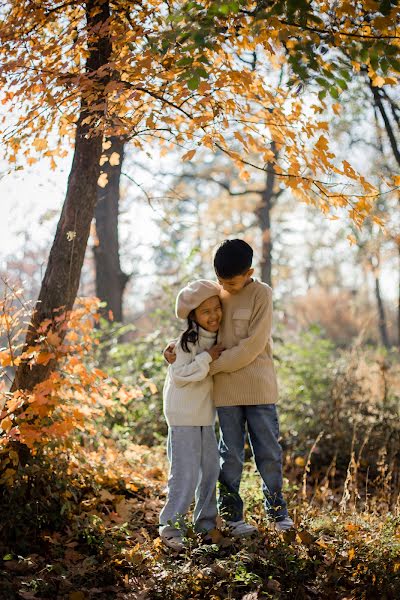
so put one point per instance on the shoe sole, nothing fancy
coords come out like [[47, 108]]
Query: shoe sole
[[178, 548]]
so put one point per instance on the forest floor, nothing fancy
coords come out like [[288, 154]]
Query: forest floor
[[106, 545]]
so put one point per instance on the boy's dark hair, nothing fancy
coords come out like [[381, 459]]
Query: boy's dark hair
[[233, 257]]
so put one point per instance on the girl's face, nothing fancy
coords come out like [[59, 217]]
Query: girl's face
[[209, 314]]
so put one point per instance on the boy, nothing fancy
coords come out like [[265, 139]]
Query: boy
[[245, 388]]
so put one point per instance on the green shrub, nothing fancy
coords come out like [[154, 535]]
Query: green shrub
[[350, 395], [136, 362]]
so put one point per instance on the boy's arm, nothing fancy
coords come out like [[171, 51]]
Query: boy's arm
[[250, 347], [187, 368], [169, 352]]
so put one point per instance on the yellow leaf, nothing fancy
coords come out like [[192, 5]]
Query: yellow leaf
[[107, 145], [352, 553], [6, 424], [39, 144], [299, 461], [390, 81], [114, 159], [189, 155], [378, 81], [352, 240], [102, 180], [5, 358], [152, 387]]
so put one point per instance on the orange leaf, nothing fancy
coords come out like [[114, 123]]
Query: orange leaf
[[6, 424], [44, 357], [189, 155]]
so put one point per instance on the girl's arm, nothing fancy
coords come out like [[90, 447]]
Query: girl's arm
[[188, 368]]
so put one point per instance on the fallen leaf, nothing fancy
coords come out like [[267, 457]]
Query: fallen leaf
[[26, 595], [76, 596], [155, 473], [289, 536], [105, 495], [274, 585], [72, 555], [15, 566], [124, 508], [216, 536], [306, 537]]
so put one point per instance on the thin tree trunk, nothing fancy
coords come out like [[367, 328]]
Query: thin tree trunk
[[61, 279], [381, 314], [396, 154], [264, 218], [110, 279], [388, 126], [398, 301]]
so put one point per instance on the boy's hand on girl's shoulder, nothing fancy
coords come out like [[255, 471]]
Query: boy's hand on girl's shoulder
[[215, 351], [169, 353]]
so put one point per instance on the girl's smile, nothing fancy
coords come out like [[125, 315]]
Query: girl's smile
[[209, 314]]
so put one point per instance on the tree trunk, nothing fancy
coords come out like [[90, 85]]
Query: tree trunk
[[264, 218], [61, 280], [381, 313], [110, 279], [398, 301], [378, 102], [388, 126]]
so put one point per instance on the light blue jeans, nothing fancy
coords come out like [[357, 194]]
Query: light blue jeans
[[194, 469], [263, 428]]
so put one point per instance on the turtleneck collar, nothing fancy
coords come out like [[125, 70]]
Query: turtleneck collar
[[207, 334]]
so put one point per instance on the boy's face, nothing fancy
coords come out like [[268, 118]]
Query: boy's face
[[233, 285]]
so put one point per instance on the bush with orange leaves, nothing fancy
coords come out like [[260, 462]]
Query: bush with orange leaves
[[72, 402]]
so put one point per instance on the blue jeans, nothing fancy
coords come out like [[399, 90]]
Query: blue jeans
[[263, 428]]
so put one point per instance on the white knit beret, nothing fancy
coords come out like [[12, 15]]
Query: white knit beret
[[193, 294]]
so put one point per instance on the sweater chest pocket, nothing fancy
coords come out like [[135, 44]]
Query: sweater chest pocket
[[241, 321]]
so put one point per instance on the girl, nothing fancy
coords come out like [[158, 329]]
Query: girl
[[190, 414]]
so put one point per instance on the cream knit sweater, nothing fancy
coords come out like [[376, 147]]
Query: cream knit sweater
[[188, 385], [245, 373]]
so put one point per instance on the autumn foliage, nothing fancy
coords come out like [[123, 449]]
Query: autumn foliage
[[74, 397], [219, 75], [258, 81]]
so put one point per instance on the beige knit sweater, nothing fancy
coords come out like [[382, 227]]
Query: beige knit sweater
[[188, 385], [244, 373]]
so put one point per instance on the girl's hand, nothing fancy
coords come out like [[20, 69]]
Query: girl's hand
[[215, 351]]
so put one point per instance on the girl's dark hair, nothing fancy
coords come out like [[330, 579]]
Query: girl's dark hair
[[191, 334]]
